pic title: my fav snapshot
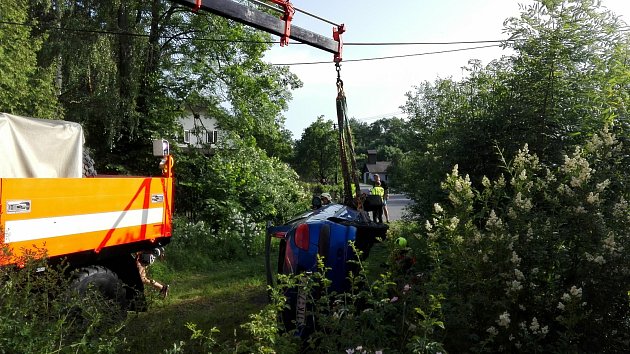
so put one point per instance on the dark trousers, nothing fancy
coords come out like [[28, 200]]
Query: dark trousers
[[377, 214]]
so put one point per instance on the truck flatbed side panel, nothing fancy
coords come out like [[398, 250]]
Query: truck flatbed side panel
[[68, 215]]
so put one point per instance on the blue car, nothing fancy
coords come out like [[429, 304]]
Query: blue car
[[325, 231]]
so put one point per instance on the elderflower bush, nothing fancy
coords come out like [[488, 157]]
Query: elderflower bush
[[537, 260], [197, 245]]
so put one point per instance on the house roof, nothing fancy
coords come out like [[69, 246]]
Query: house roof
[[378, 167]]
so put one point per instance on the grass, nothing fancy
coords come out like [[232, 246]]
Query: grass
[[223, 296]]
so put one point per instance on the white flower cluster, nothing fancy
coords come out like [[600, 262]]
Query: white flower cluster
[[485, 181], [530, 233], [592, 198], [611, 245], [513, 286], [493, 221], [565, 190], [595, 259], [523, 203], [621, 210], [453, 222], [360, 350], [515, 258], [603, 185], [578, 167], [504, 320], [492, 330], [537, 329], [428, 226], [604, 138], [574, 293]]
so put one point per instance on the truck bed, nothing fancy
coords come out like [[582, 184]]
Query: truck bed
[[66, 216]]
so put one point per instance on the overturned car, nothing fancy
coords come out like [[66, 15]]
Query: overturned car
[[327, 232]]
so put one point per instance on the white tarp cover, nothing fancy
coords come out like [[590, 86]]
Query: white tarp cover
[[42, 148]]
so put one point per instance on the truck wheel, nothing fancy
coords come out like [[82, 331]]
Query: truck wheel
[[88, 164], [105, 282]]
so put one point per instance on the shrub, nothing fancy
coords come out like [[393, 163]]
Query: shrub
[[39, 314], [198, 245], [537, 260]]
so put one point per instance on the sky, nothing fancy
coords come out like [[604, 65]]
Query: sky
[[376, 89]]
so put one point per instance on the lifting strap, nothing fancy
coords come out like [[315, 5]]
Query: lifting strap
[[349, 171]]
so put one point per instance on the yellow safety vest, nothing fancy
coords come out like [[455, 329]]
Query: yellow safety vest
[[378, 191]]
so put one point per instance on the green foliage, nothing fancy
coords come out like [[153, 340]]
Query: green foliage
[[39, 314], [390, 137], [128, 70], [567, 79], [316, 155], [25, 87], [375, 316], [197, 246], [536, 261], [239, 182]]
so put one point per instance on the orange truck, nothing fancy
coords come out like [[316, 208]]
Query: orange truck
[[96, 224]]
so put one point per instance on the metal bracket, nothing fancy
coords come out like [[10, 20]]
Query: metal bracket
[[289, 11]]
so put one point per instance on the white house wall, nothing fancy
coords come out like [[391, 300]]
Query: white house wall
[[202, 124]]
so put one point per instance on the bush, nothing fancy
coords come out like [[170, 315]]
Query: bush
[[197, 245], [536, 261], [375, 316], [39, 314], [239, 182]]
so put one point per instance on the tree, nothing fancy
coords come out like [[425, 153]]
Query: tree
[[565, 81], [240, 179], [129, 69], [25, 87], [316, 152]]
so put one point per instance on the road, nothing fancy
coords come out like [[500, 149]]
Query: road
[[395, 205]]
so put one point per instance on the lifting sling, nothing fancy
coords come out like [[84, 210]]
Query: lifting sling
[[349, 171]]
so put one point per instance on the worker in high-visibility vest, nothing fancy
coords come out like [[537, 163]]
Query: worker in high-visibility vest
[[377, 213]]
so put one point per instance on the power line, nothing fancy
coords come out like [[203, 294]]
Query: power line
[[393, 56], [142, 35], [425, 43], [376, 117]]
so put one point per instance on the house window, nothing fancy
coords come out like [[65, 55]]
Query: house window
[[187, 136], [212, 137]]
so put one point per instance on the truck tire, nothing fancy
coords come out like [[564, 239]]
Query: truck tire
[[105, 282], [88, 164]]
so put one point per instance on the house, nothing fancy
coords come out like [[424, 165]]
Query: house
[[373, 167], [199, 130]]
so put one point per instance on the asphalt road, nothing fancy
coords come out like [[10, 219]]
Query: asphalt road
[[395, 205]]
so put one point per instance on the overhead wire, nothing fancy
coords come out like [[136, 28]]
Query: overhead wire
[[106, 32], [116, 33], [141, 35], [392, 56]]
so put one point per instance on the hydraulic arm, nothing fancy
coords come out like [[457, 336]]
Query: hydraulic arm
[[263, 21]]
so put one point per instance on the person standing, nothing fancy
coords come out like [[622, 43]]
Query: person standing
[[377, 213], [385, 195]]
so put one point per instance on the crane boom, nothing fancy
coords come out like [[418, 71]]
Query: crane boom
[[268, 23]]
